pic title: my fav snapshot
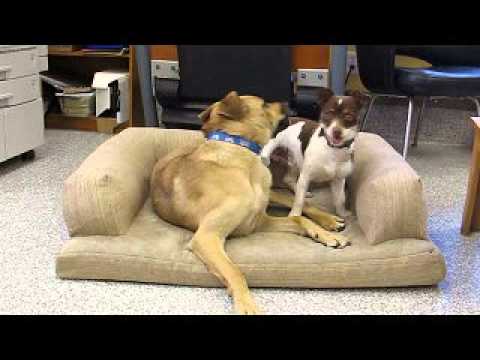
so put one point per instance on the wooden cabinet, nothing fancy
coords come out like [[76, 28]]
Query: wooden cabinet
[[311, 57], [84, 65]]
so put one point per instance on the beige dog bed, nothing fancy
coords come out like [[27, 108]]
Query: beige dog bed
[[117, 236]]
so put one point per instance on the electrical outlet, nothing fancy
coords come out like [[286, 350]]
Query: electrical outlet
[[352, 62], [312, 77], [165, 69]]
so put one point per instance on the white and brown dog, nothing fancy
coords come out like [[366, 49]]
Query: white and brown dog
[[320, 151]]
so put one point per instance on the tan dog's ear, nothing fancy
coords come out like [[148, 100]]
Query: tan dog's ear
[[359, 97], [232, 106], [205, 115], [324, 94]]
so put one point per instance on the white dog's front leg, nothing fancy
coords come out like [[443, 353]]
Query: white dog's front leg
[[300, 193], [337, 187]]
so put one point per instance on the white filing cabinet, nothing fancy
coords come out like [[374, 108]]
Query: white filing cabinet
[[21, 107], [42, 52]]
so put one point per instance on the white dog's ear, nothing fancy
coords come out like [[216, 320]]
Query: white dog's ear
[[360, 98], [323, 95], [232, 106]]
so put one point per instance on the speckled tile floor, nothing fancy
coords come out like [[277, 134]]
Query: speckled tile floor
[[33, 231]]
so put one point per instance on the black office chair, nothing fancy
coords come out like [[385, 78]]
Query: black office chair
[[455, 72], [207, 73]]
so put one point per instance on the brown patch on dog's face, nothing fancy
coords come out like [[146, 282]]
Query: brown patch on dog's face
[[339, 115], [344, 109], [323, 95], [248, 116]]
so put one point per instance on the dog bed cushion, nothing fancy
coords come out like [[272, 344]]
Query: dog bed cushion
[[155, 251], [117, 236]]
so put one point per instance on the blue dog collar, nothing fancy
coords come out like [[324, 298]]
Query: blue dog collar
[[235, 139]]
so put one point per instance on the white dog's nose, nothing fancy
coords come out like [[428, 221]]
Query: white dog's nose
[[337, 133]]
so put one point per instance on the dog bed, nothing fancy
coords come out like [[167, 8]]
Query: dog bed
[[115, 234]]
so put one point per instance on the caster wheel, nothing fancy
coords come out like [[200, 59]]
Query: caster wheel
[[29, 155]]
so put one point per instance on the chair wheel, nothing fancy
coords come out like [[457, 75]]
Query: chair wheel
[[29, 155]]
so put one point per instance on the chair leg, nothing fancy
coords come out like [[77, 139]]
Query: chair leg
[[407, 127], [419, 121], [365, 117]]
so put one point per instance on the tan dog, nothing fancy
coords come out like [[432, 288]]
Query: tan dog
[[220, 189]]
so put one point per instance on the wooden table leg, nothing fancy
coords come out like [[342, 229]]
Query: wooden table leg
[[471, 212]]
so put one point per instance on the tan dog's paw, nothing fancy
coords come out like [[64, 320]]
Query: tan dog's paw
[[328, 222], [244, 305], [328, 239], [337, 241], [335, 223]]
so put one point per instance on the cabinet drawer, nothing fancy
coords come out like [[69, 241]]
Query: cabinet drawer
[[42, 62], [42, 50], [2, 136], [24, 127], [17, 63], [20, 90]]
